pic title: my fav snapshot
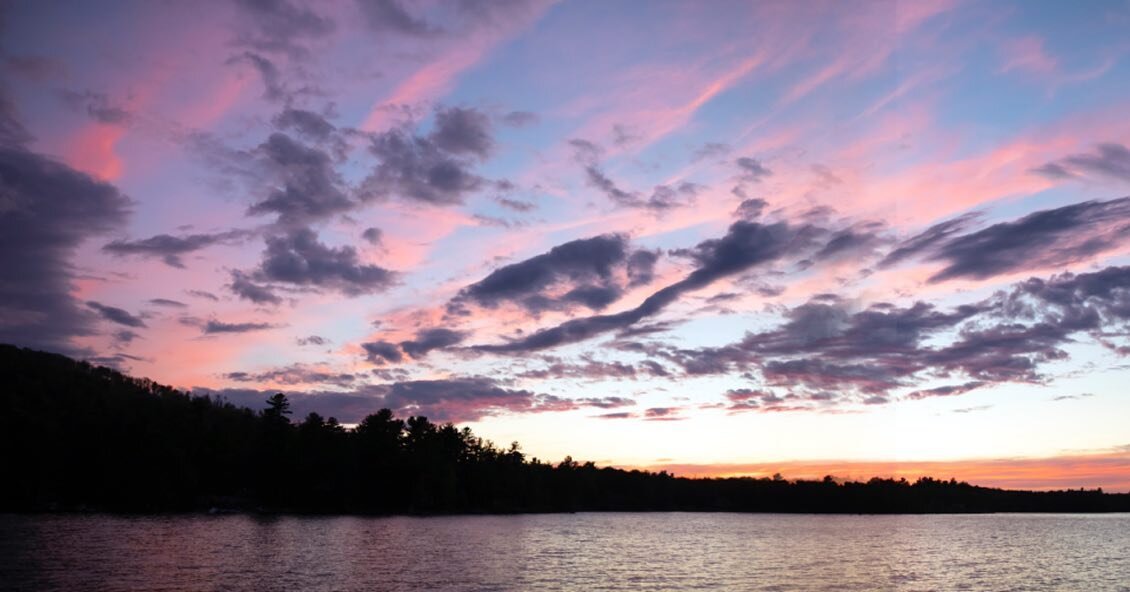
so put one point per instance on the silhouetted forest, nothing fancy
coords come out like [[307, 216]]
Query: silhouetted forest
[[76, 436]]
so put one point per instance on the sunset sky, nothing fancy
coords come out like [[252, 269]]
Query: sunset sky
[[854, 238]]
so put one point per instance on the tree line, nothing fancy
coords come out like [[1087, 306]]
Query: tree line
[[80, 437]]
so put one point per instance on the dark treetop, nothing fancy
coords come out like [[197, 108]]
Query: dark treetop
[[76, 436]]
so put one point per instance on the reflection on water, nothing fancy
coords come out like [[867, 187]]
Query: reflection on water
[[659, 551]]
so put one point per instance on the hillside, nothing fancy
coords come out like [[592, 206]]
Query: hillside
[[80, 437]]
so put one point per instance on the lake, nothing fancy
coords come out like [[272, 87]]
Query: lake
[[587, 551]]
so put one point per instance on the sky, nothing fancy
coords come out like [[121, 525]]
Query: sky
[[852, 238]]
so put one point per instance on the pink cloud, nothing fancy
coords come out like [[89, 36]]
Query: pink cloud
[[216, 100], [93, 150], [1027, 54], [911, 15], [437, 77], [867, 40], [639, 106]]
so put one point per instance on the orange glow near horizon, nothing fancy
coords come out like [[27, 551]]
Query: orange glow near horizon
[[1109, 470]]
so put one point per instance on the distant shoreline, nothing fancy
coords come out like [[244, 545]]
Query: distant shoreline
[[289, 514]]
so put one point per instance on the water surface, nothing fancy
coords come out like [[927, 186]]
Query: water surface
[[597, 551]]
